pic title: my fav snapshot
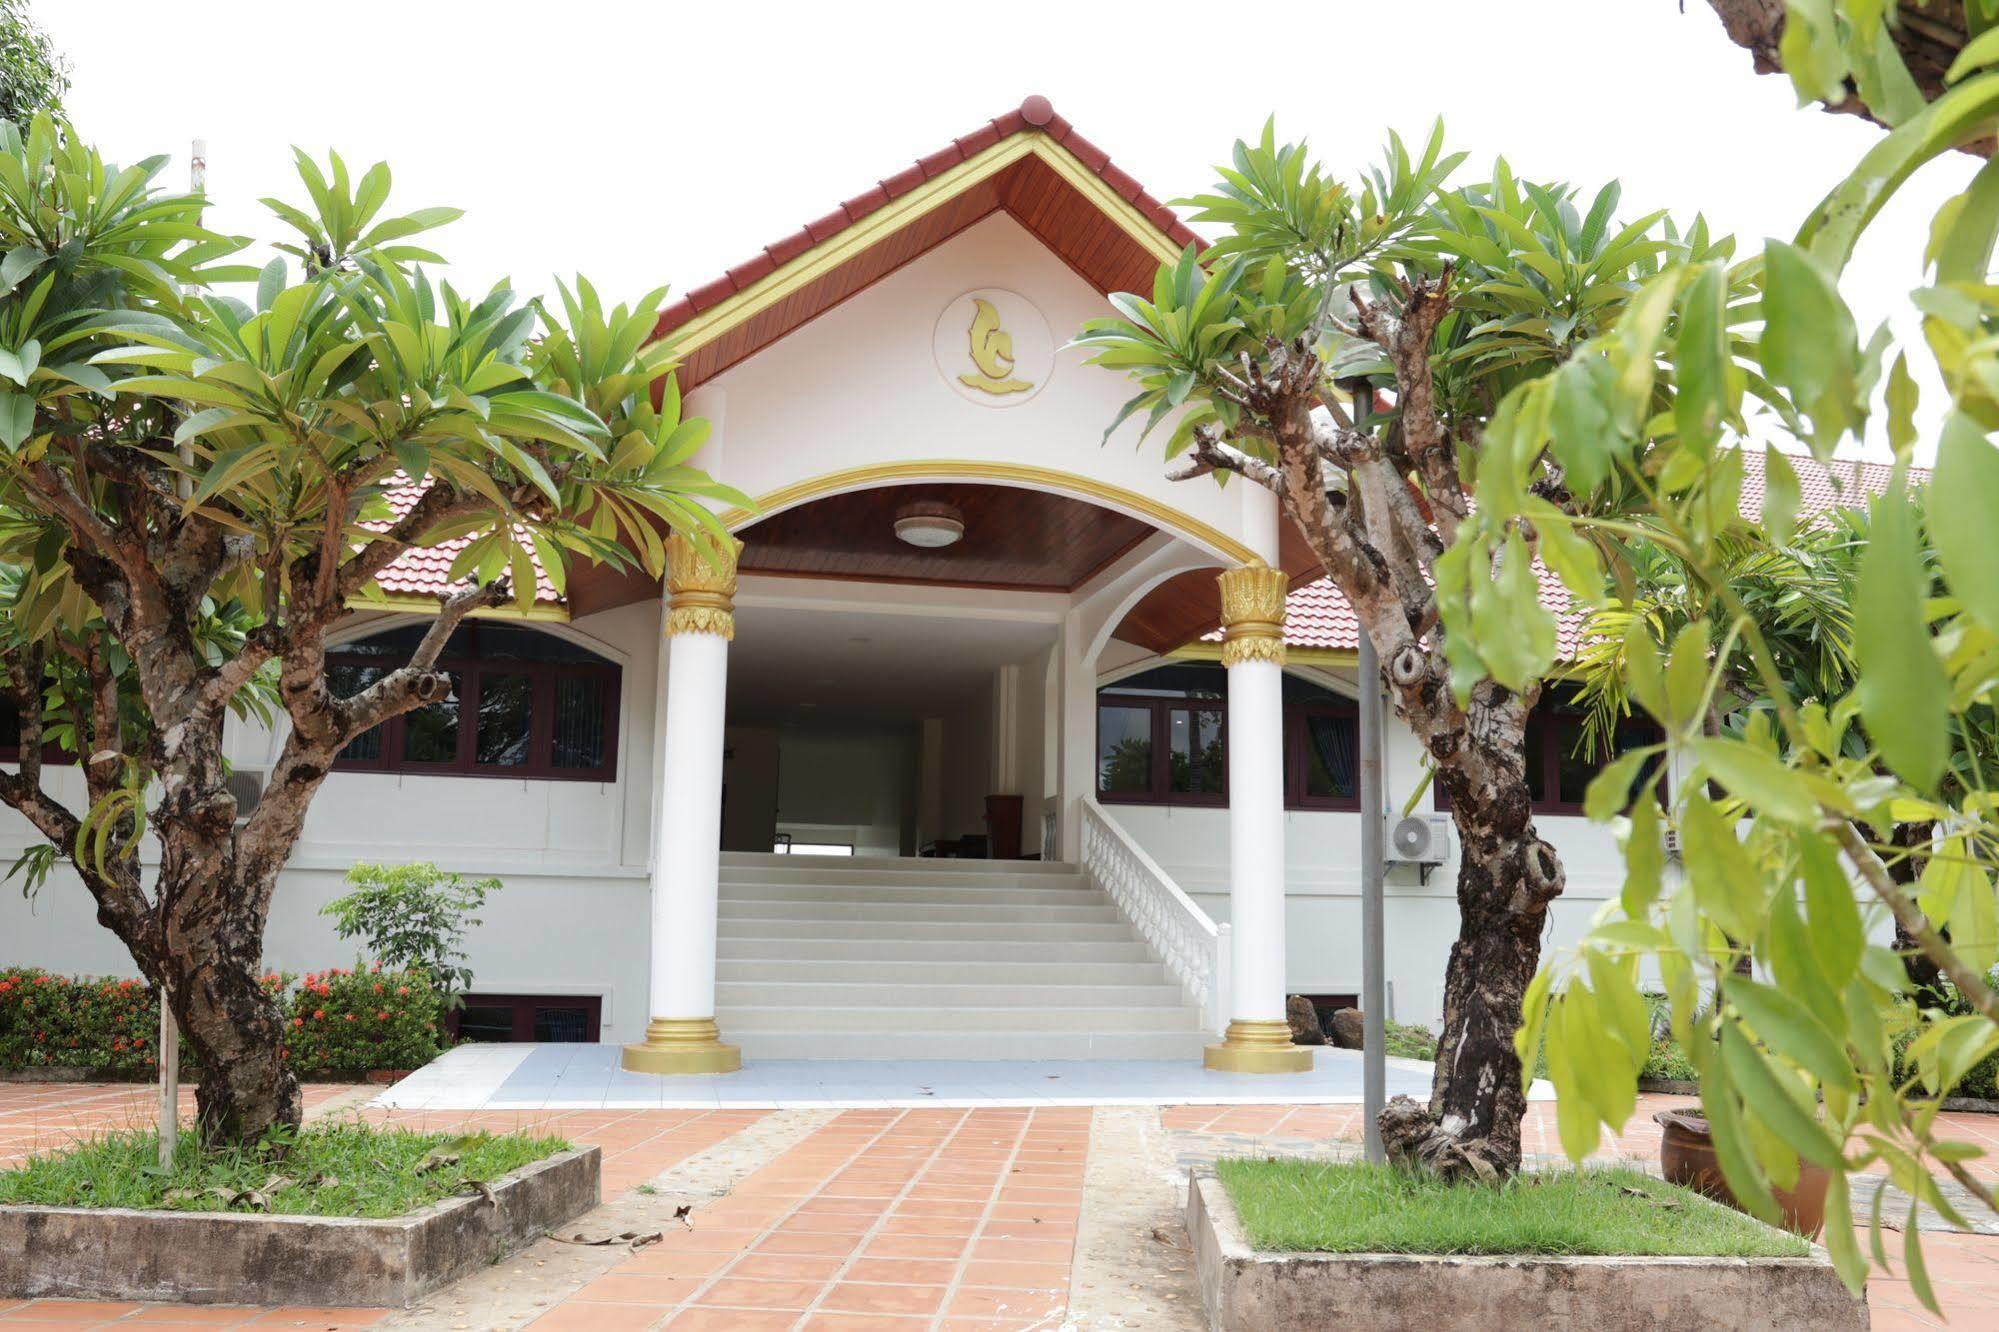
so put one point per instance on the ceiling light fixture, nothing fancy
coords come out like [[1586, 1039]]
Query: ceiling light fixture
[[928, 525]]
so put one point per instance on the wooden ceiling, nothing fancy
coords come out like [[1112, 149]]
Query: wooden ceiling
[[1016, 539], [1188, 605]]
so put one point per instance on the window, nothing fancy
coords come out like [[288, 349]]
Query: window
[[1321, 755], [522, 703], [1162, 739], [559, 1019]]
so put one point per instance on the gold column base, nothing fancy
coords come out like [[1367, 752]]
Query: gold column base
[[1257, 1047], [682, 1045]]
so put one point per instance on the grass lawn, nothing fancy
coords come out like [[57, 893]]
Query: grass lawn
[[331, 1170], [1351, 1207]]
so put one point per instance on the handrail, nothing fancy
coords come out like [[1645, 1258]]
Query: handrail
[[1193, 947]]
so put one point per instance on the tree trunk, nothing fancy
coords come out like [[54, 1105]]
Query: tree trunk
[[1507, 876], [206, 946]]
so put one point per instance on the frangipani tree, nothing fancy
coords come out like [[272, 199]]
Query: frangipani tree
[[1834, 830], [192, 495], [1350, 349]]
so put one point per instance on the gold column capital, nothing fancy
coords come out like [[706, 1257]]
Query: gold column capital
[[1253, 613], [701, 585]]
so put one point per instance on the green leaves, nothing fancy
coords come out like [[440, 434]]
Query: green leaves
[[1963, 516], [1810, 346], [1904, 695]]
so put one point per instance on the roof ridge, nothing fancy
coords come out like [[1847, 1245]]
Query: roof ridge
[[1035, 113]]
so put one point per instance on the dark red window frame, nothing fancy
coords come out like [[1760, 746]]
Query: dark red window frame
[[1297, 757], [471, 672], [1161, 708], [524, 1005]]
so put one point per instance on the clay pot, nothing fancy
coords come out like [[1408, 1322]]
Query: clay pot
[[1686, 1158]]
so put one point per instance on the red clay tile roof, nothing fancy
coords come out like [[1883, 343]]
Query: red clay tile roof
[[1035, 113], [1317, 614], [424, 572]]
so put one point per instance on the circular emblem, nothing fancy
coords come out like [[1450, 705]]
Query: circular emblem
[[994, 348]]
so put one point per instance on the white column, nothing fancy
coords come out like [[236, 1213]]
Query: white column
[[1258, 1039], [700, 621]]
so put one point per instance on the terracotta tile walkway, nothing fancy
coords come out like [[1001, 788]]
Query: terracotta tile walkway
[[899, 1220], [637, 1144], [888, 1219]]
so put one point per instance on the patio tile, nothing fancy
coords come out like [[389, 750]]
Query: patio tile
[[859, 1297]]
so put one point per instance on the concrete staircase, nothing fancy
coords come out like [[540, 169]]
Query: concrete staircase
[[839, 958]]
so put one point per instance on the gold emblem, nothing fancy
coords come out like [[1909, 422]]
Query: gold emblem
[[992, 353]]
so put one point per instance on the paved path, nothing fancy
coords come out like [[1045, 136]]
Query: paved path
[[899, 1219]]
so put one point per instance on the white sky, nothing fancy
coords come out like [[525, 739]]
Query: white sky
[[649, 143]]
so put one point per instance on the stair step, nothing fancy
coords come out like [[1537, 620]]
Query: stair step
[[972, 1045], [928, 894], [871, 948], [750, 927], [1030, 968], [733, 908], [804, 1017], [810, 997], [749, 861], [915, 875]]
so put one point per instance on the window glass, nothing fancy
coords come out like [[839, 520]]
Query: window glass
[[1124, 749], [347, 679], [486, 1022], [562, 1022], [430, 734], [1194, 745], [506, 642], [1573, 770], [1332, 742], [580, 713], [506, 719], [10, 722]]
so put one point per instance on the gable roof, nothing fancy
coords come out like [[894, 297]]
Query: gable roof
[[1029, 163]]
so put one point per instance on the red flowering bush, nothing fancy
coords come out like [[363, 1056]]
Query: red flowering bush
[[344, 1023], [77, 1022], [338, 1023]]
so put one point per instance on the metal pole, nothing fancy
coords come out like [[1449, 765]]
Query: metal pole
[[1373, 987], [197, 181]]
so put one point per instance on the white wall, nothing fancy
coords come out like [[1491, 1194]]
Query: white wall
[[846, 787]]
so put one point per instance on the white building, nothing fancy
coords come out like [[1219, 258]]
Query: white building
[[1046, 690]]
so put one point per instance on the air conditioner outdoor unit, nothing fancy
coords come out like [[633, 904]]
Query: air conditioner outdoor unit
[[247, 785], [1670, 838], [1420, 839]]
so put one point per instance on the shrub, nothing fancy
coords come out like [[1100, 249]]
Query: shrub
[[78, 1022], [413, 918], [1406, 1040], [348, 1022], [338, 1023]]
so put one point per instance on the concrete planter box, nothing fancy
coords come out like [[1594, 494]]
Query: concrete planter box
[[111, 1253], [1248, 1291]]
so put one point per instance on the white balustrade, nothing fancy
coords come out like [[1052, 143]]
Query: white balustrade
[[1194, 948]]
